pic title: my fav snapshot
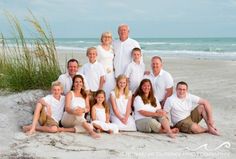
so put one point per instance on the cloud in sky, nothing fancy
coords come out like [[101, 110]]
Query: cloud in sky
[[147, 18]]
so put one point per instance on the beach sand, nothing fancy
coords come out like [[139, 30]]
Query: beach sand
[[214, 80]]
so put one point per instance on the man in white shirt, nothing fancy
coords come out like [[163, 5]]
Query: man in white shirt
[[187, 110], [162, 81], [66, 78], [122, 50]]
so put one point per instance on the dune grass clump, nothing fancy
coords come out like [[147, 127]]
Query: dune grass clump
[[31, 63]]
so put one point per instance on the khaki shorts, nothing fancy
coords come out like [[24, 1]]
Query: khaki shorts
[[45, 120], [69, 121], [149, 125], [186, 124]]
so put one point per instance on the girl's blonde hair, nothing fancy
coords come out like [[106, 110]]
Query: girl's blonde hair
[[104, 103], [117, 89]]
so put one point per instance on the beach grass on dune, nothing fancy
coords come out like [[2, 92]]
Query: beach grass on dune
[[28, 65]]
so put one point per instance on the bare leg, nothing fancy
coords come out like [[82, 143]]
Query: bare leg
[[32, 127], [197, 129], [50, 129], [166, 126], [98, 128], [72, 130], [90, 131], [206, 112]]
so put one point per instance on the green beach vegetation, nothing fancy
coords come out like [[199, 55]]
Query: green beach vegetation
[[28, 64]]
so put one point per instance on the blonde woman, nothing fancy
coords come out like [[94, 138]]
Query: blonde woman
[[121, 105], [105, 57]]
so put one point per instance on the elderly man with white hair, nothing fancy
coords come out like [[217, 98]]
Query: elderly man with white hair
[[122, 50]]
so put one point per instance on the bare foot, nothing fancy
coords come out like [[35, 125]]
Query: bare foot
[[30, 132], [171, 135], [94, 135], [26, 128], [175, 130], [213, 131], [98, 131], [110, 131]]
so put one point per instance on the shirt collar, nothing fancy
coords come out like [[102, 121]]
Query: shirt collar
[[161, 72]]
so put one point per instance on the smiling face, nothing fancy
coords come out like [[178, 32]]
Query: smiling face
[[92, 55], [106, 38], [100, 98], [146, 88], [123, 32], [122, 83], [56, 91], [156, 65], [78, 83], [136, 56], [181, 91], [72, 68]]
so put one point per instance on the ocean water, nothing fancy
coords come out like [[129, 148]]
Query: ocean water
[[215, 48], [219, 48]]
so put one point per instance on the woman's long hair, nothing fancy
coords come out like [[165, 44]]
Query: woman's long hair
[[83, 93], [104, 103], [146, 100], [117, 89]]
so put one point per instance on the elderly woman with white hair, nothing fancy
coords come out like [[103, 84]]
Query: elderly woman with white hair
[[105, 57]]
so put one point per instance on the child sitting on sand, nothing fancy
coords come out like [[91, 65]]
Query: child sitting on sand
[[48, 111], [101, 114]]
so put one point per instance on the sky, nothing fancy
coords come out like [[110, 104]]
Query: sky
[[146, 18]]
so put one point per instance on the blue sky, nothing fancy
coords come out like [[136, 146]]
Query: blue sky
[[146, 18]]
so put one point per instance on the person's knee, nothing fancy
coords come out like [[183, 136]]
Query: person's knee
[[201, 108], [195, 128]]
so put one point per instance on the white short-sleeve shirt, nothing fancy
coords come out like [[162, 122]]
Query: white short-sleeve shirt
[[135, 73], [57, 106], [139, 105], [93, 72], [122, 51], [160, 83], [66, 82], [180, 108]]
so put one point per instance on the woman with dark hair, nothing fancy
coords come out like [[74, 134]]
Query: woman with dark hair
[[149, 117], [76, 105]]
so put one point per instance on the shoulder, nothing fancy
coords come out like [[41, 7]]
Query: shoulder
[[165, 73], [112, 93], [48, 97], [62, 76]]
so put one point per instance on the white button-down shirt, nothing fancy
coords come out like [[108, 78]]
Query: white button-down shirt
[[122, 51]]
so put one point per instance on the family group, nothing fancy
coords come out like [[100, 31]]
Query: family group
[[113, 92]]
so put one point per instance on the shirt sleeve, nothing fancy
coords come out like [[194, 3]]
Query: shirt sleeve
[[128, 71], [86, 86], [169, 81], [167, 106], [195, 100], [138, 104]]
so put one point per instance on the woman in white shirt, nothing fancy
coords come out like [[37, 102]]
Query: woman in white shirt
[[105, 57], [76, 105], [149, 117]]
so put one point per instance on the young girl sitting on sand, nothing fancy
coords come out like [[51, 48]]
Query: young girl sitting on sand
[[121, 105], [101, 114], [48, 111]]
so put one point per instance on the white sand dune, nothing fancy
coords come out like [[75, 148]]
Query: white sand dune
[[211, 79]]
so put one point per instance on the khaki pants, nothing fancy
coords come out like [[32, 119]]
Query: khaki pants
[[72, 121], [148, 125]]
